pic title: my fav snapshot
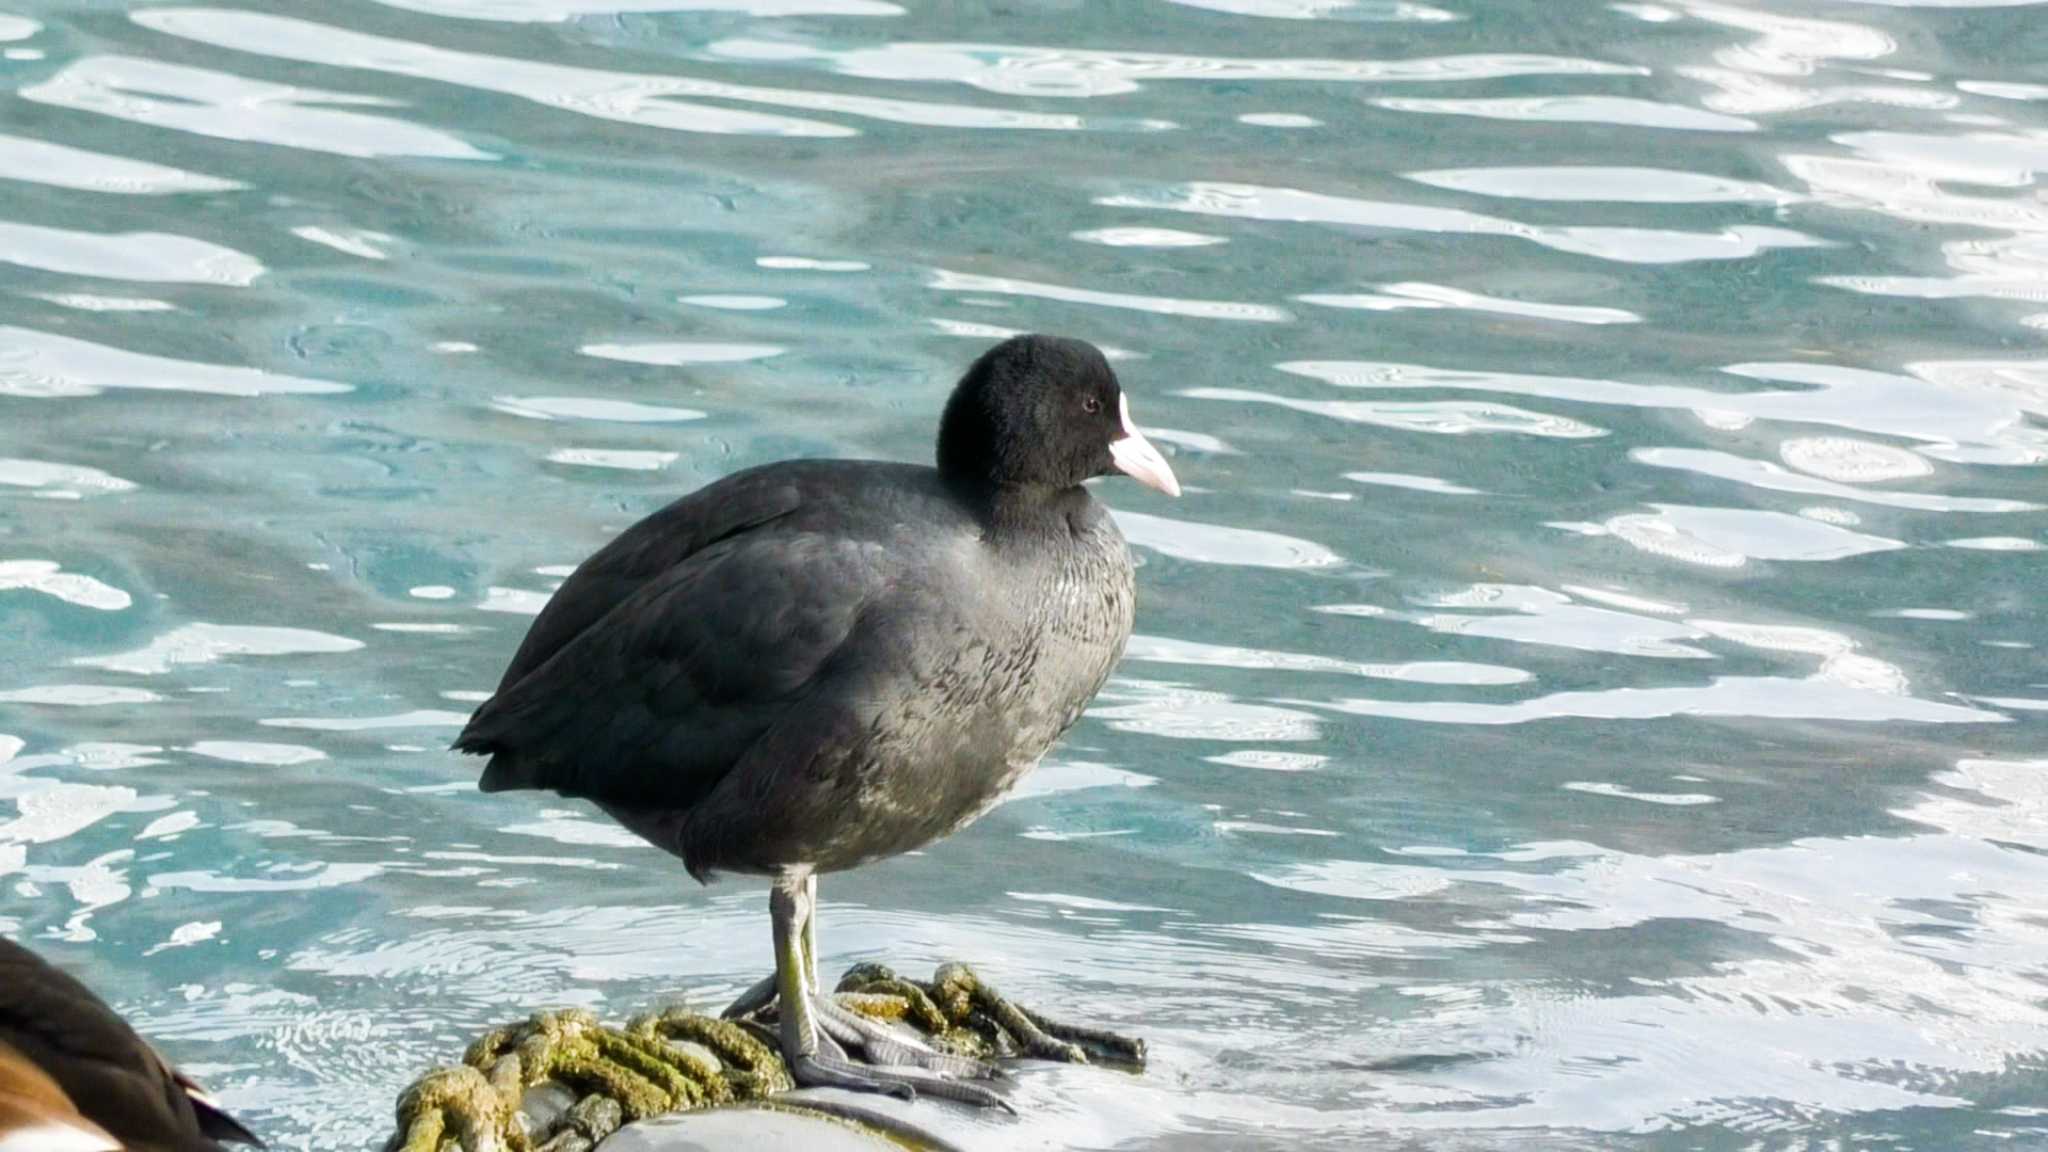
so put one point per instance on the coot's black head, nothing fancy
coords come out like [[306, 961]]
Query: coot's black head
[[1044, 412]]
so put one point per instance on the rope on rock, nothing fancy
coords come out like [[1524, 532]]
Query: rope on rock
[[677, 1060]]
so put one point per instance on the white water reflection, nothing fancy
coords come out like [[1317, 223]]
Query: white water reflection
[[1222, 544], [676, 353], [809, 264], [1442, 418], [231, 108], [1532, 615], [350, 241], [1279, 120], [593, 409], [44, 365], [622, 459], [944, 281], [1181, 712], [1879, 953], [1849, 685], [1849, 461], [53, 481], [78, 695], [1161, 650], [1997, 543], [1374, 10], [417, 718], [1597, 184], [556, 11], [49, 578], [1015, 70], [1148, 238], [655, 101], [1776, 72], [62, 166], [1766, 475], [975, 330], [208, 643], [1624, 111], [1821, 696], [1429, 484], [1626, 245], [1624, 792], [150, 257], [1397, 297], [257, 752], [94, 302], [734, 302], [1731, 537], [1966, 405]]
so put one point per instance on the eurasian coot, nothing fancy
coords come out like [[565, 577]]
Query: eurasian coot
[[74, 1077], [813, 664]]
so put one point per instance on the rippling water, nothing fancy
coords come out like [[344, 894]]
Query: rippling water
[[1590, 696]]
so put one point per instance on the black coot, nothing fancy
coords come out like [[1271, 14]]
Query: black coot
[[74, 1077], [817, 663]]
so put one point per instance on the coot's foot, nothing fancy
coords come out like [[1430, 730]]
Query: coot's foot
[[964, 997], [891, 1061], [964, 1013]]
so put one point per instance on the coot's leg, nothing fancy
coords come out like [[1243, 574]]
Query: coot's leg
[[811, 934], [762, 992], [810, 1067], [813, 1027]]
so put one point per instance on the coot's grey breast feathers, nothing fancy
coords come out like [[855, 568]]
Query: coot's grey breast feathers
[[108, 1071]]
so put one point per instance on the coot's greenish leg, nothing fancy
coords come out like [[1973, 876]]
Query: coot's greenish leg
[[810, 1067], [811, 934]]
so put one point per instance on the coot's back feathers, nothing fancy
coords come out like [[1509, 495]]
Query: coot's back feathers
[[667, 655]]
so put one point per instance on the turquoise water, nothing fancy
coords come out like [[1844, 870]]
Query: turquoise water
[[1590, 696]]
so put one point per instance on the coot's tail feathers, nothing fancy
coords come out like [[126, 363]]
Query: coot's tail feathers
[[504, 774]]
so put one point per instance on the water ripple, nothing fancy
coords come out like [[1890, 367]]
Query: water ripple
[[1014, 70], [149, 257], [62, 166], [44, 365], [231, 108], [1627, 245], [633, 98]]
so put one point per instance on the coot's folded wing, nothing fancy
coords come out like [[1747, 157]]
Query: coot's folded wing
[[738, 503], [651, 705]]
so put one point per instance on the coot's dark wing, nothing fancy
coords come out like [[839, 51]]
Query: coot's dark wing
[[651, 705], [649, 548], [112, 1075]]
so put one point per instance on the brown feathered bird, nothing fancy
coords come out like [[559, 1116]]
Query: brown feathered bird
[[74, 1077]]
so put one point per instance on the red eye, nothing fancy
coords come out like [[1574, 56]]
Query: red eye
[[1090, 404]]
